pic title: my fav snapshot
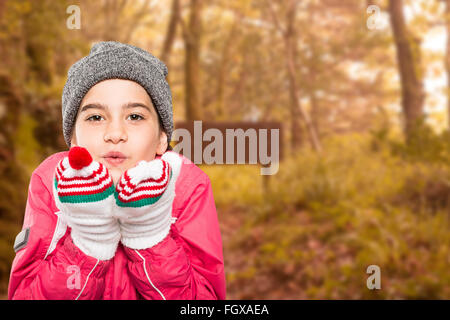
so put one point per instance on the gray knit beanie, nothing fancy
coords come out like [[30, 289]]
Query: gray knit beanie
[[115, 60]]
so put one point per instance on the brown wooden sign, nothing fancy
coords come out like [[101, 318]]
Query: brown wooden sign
[[207, 142]]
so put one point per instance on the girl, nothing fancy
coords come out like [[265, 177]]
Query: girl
[[119, 215]]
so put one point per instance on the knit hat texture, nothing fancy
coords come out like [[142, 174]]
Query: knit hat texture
[[115, 60]]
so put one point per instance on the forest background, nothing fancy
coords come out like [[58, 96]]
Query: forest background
[[362, 92]]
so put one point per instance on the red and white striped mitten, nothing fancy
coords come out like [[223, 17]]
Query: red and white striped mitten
[[84, 193], [144, 197]]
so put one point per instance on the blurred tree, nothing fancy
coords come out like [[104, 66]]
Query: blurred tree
[[192, 31], [447, 56], [408, 57], [296, 110], [12, 173], [171, 32], [224, 64]]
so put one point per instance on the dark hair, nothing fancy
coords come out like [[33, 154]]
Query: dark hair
[[161, 128]]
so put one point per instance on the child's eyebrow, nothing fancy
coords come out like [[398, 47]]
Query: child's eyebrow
[[93, 106], [128, 105]]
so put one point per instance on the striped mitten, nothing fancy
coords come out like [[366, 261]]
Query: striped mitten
[[144, 197], [84, 193]]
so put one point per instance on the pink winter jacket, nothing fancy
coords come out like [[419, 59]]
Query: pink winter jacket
[[187, 264]]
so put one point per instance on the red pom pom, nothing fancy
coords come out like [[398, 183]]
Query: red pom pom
[[79, 157]]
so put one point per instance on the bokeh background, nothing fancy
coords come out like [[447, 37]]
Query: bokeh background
[[363, 96]]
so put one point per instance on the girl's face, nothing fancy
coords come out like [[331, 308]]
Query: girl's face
[[118, 116]]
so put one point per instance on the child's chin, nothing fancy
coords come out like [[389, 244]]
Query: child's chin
[[115, 174], [113, 170]]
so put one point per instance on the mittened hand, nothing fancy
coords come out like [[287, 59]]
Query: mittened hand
[[143, 185], [144, 197], [90, 205], [84, 193]]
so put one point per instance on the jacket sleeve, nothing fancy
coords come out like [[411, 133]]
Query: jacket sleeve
[[65, 273], [188, 263]]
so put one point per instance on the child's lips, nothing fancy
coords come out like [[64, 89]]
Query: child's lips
[[114, 158], [114, 161]]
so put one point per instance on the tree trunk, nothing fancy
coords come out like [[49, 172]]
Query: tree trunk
[[312, 72], [223, 72], [408, 58], [296, 108], [13, 176], [447, 57], [171, 32], [191, 35]]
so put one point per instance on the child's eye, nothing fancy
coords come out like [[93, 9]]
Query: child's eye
[[136, 117], [94, 118]]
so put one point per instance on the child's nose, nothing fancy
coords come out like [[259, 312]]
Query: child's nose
[[115, 133]]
